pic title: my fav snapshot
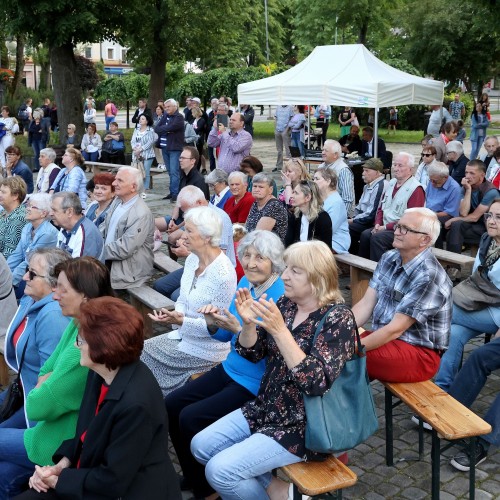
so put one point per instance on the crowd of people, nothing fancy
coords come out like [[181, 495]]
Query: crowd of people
[[259, 318]]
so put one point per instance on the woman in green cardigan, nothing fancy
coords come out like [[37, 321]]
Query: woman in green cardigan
[[52, 407]]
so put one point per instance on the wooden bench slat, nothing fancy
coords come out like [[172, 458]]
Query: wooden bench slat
[[355, 260], [316, 478], [451, 419], [164, 263]]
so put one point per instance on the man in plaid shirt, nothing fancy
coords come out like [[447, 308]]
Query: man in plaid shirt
[[410, 297]]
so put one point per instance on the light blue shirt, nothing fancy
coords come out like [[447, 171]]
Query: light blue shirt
[[334, 206], [444, 199], [283, 115]]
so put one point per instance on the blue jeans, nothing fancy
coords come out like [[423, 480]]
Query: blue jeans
[[170, 285], [465, 325], [147, 168], [471, 379], [297, 143], [37, 146], [90, 156], [171, 159], [476, 146], [108, 120], [238, 464]]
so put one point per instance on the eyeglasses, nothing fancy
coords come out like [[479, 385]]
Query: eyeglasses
[[32, 275], [405, 230], [427, 154], [79, 341], [32, 207], [493, 217]]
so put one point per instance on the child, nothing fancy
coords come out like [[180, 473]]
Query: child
[[461, 131]]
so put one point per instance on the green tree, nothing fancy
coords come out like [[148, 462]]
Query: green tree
[[121, 89]]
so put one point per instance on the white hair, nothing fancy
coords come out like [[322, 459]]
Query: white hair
[[173, 102], [408, 158], [190, 195], [240, 175], [208, 223], [41, 201], [267, 244], [137, 176], [455, 147], [429, 224], [438, 168], [333, 146]]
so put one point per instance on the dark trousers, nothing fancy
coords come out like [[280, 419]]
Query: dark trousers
[[211, 157], [442, 234], [170, 284], [194, 407], [117, 158], [373, 245], [461, 231], [355, 230]]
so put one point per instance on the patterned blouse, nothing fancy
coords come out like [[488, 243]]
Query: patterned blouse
[[11, 226], [273, 209], [278, 411]]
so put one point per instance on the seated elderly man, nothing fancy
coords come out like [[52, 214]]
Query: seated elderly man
[[403, 192], [477, 195], [332, 159], [267, 212], [366, 209], [240, 202], [78, 235], [442, 196], [456, 160], [191, 197], [409, 299], [490, 144], [128, 232], [351, 142]]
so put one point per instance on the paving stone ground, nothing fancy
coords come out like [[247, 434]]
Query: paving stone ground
[[407, 479]]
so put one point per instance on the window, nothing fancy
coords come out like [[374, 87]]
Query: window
[[124, 55], [111, 54], [88, 52]]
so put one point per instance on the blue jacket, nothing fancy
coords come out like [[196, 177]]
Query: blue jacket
[[171, 128], [45, 236], [22, 170], [222, 202], [241, 370], [476, 125], [43, 330]]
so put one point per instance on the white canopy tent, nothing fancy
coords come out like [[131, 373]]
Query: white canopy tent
[[343, 75]]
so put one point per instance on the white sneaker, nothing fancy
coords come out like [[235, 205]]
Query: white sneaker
[[144, 196], [161, 166], [290, 494]]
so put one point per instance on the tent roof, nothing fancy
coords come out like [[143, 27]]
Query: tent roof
[[342, 75]]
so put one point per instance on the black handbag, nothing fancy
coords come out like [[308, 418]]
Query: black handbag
[[14, 395]]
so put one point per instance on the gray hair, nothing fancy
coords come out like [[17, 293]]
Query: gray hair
[[408, 158], [333, 146], [223, 105], [262, 177], [69, 200], [438, 168], [455, 147], [429, 225], [207, 222], [217, 175], [172, 101], [49, 153], [136, 173], [268, 245], [52, 257], [214, 100], [190, 195], [41, 200], [490, 137], [240, 175]]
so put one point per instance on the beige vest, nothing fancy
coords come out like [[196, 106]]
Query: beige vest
[[394, 208]]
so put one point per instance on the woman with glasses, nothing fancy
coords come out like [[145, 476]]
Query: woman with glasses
[[53, 400], [38, 233], [428, 158], [466, 324], [217, 179], [71, 138], [70, 178], [120, 449], [310, 222]]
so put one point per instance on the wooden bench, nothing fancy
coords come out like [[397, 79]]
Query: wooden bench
[[113, 168], [361, 271], [448, 418], [164, 263], [316, 478], [145, 300], [445, 258]]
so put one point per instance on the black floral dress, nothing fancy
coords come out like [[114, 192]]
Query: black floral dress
[[278, 411]]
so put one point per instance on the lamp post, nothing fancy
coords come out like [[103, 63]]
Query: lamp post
[[11, 45]]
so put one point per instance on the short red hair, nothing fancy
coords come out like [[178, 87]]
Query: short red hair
[[113, 330], [105, 179]]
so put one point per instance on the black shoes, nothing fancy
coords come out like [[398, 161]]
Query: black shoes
[[462, 461]]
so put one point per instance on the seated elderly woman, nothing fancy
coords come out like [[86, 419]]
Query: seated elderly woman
[[241, 449], [52, 405], [236, 380], [469, 320], [208, 278], [326, 180], [218, 181], [120, 449], [310, 222], [457, 161], [267, 212], [38, 233], [240, 202], [32, 337], [48, 170], [13, 215], [71, 138], [103, 195], [15, 167], [8, 305], [250, 165]]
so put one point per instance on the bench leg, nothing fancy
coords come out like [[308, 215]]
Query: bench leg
[[472, 471], [435, 464], [420, 439], [389, 451]]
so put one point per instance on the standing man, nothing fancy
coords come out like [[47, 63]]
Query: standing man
[[214, 103], [110, 113], [142, 109], [282, 138], [170, 130], [128, 232], [457, 108], [410, 301], [235, 144], [248, 116]]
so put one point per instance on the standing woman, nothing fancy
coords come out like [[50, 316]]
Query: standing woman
[[310, 221], [346, 119], [485, 104], [323, 114], [89, 114], [479, 124], [72, 177], [156, 119], [199, 126], [36, 136], [7, 139], [48, 170], [142, 142], [297, 126], [241, 449], [326, 180], [91, 144]]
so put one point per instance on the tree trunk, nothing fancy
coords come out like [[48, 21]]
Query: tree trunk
[[363, 32], [16, 82], [157, 77], [67, 91]]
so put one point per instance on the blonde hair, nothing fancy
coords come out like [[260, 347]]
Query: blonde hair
[[309, 188], [323, 275], [298, 165]]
